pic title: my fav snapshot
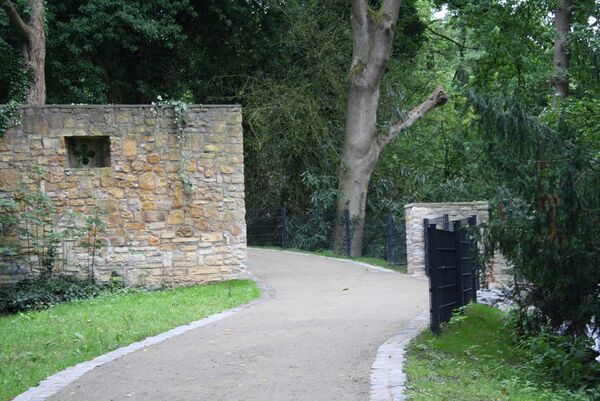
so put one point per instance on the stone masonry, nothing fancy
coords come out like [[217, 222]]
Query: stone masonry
[[415, 233], [172, 199]]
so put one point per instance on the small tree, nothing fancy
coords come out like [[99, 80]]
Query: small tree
[[546, 221]]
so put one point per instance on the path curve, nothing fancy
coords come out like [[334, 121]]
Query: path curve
[[316, 339]]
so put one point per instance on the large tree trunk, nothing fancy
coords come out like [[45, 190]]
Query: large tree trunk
[[33, 45], [372, 34], [359, 159], [562, 25]]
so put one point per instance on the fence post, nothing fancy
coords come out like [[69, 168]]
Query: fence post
[[426, 242], [390, 238], [446, 222], [347, 231], [283, 227], [458, 261], [432, 267]]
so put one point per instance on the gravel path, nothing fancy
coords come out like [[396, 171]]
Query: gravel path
[[314, 339]]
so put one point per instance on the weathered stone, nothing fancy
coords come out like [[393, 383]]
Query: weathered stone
[[148, 181], [153, 216], [212, 237], [213, 148], [148, 206], [129, 148], [10, 179], [185, 231], [228, 169], [116, 193], [175, 217]]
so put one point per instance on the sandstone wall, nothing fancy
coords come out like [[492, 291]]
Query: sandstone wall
[[160, 232], [415, 233]]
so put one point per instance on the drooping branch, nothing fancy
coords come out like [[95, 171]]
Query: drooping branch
[[438, 98], [20, 26]]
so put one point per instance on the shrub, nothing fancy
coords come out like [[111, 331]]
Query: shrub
[[47, 290], [563, 360]]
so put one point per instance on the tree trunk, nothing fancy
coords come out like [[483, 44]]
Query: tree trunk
[[35, 54], [562, 25], [372, 35], [33, 46], [359, 160]]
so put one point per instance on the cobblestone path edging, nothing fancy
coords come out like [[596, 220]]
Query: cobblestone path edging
[[387, 376], [57, 381]]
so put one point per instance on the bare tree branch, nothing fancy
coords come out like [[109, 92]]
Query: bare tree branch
[[20, 26], [461, 46], [438, 98]]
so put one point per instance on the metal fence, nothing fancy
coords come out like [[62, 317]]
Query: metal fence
[[451, 264], [384, 237]]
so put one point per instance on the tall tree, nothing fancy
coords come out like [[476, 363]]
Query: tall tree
[[31, 30], [562, 26], [372, 37]]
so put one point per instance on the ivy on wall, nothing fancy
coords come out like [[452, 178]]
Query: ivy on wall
[[179, 108]]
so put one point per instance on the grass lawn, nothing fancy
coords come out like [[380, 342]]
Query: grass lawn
[[36, 344], [364, 259], [474, 360]]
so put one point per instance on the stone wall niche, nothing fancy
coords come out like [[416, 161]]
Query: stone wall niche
[[88, 151], [171, 195]]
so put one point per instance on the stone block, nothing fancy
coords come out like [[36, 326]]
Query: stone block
[[10, 179], [129, 148], [153, 216], [176, 217], [228, 169], [212, 237], [148, 181]]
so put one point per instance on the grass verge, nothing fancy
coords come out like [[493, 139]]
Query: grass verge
[[330, 254], [34, 345], [473, 360]]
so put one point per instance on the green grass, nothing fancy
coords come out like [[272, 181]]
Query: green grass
[[474, 360], [36, 344], [330, 254]]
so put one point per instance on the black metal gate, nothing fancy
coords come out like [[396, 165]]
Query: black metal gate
[[451, 264]]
